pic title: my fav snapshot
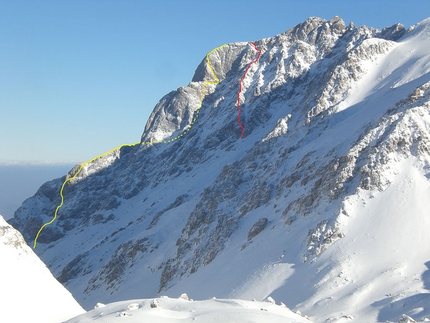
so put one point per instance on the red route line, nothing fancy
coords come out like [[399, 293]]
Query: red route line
[[239, 110]]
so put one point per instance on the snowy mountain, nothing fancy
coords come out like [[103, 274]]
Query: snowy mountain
[[29, 292], [322, 204]]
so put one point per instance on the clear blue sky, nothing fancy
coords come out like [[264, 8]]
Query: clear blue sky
[[78, 78]]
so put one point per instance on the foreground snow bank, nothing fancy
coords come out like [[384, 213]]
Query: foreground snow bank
[[28, 291], [169, 310]]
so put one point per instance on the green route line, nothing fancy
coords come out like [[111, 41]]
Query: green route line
[[202, 96]]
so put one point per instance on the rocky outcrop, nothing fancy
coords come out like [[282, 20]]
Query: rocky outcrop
[[258, 227]]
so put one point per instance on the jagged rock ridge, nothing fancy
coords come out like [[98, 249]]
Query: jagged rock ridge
[[329, 111]]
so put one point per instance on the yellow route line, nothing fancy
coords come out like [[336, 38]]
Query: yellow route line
[[202, 96]]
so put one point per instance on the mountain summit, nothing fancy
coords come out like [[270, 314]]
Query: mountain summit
[[322, 204]]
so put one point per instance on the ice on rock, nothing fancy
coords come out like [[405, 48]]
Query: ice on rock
[[184, 296], [406, 319], [270, 299], [155, 303], [132, 307]]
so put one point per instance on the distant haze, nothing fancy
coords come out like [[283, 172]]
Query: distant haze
[[19, 182]]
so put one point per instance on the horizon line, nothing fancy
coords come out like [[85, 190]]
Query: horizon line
[[36, 163]]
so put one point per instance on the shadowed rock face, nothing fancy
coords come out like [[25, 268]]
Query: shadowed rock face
[[257, 228], [168, 211]]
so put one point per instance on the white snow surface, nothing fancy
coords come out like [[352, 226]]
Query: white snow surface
[[380, 269], [28, 291], [171, 310]]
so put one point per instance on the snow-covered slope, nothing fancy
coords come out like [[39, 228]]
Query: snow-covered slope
[[322, 204], [29, 292], [169, 310]]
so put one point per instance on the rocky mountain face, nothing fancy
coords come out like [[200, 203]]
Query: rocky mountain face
[[29, 293], [331, 113]]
